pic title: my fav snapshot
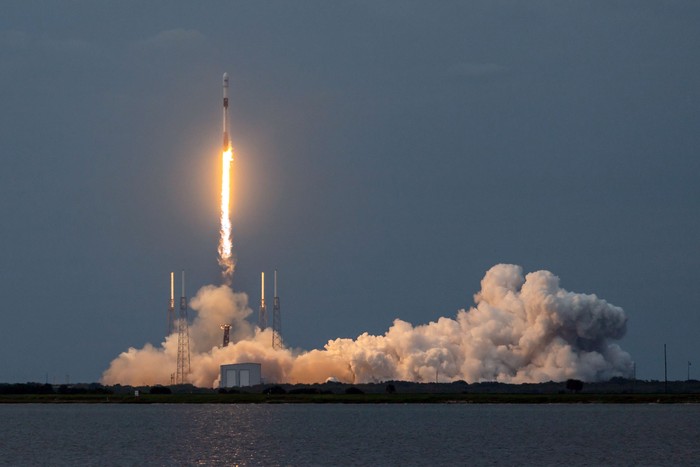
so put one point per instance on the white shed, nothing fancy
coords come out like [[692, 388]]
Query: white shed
[[240, 375]]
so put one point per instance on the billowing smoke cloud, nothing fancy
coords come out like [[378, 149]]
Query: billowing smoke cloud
[[521, 329]]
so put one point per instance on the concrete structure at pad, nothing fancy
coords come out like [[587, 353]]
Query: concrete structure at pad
[[240, 375]]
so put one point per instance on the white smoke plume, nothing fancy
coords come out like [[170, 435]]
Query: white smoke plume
[[521, 329]]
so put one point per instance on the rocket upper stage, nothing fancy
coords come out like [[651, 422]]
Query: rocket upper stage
[[227, 144]]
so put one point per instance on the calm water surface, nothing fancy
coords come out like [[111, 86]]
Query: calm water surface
[[338, 434]]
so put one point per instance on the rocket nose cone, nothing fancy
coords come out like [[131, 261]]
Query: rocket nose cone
[[225, 78]]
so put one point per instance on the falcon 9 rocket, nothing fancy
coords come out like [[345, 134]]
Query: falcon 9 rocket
[[227, 142]]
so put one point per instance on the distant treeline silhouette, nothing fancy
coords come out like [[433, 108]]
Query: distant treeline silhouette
[[38, 388], [615, 385]]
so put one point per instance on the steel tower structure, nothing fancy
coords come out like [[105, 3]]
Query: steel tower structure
[[276, 318], [171, 306], [183, 340], [227, 330], [262, 314]]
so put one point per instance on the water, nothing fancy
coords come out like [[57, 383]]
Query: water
[[340, 434]]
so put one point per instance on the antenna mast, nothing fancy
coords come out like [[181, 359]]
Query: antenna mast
[[276, 318], [183, 340], [171, 306], [262, 315]]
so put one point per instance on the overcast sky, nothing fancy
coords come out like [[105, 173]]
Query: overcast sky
[[388, 154]]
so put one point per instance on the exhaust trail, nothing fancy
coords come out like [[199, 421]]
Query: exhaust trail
[[225, 242], [226, 260]]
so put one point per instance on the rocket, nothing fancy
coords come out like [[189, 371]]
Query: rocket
[[227, 143]]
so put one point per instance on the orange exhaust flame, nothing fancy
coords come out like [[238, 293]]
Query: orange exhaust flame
[[226, 260]]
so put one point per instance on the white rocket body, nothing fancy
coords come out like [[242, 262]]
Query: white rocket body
[[227, 141]]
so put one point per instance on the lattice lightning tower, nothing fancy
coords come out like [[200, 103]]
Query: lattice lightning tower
[[276, 318], [262, 315], [183, 340], [171, 306]]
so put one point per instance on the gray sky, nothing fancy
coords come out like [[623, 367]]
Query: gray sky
[[388, 154]]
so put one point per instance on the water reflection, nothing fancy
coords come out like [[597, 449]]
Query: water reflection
[[348, 434]]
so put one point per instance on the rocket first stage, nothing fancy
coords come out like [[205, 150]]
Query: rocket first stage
[[227, 144]]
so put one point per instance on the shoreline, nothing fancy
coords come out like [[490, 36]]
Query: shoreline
[[413, 398]]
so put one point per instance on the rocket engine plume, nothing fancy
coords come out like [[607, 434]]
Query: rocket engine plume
[[225, 243], [226, 260]]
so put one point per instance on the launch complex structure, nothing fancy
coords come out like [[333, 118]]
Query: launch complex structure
[[276, 313], [262, 316], [181, 324], [276, 318], [183, 332]]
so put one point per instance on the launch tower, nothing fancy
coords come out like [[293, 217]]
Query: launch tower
[[183, 340], [262, 315], [227, 331], [276, 318], [171, 306]]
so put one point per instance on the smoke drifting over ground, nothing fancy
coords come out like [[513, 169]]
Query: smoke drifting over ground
[[521, 329]]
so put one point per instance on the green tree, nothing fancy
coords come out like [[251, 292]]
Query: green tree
[[574, 385]]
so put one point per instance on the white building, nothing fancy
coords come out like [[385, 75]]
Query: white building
[[240, 375]]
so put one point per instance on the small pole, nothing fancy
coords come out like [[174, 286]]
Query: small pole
[[665, 371]]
